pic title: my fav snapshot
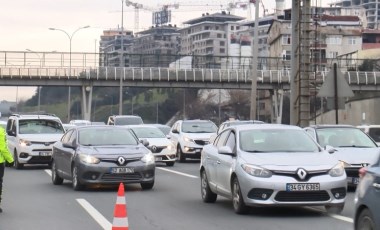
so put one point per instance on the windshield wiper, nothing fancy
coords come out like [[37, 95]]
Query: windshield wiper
[[255, 151], [354, 146]]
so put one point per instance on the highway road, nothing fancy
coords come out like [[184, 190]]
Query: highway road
[[31, 201]]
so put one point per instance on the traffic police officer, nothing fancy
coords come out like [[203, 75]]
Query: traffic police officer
[[5, 156]]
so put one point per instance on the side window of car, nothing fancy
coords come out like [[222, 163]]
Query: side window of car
[[66, 137], [222, 139], [231, 141], [73, 136]]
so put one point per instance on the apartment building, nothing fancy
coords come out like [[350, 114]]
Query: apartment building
[[110, 47], [333, 36], [371, 10], [156, 46], [208, 39]]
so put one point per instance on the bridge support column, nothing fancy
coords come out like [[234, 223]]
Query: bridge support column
[[277, 102], [86, 101]]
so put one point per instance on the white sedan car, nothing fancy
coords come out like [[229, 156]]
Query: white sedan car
[[271, 165], [161, 147]]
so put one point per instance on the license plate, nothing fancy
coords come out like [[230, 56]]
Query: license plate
[[44, 154], [355, 180], [158, 158], [122, 170], [302, 187]]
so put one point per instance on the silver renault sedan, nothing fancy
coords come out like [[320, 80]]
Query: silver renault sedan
[[271, 165]]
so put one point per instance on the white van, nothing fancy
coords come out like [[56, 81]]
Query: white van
[[373, 131]]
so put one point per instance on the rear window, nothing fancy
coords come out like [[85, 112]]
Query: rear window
[[198, 127], [128, 121], [100, 136], [374, 133]]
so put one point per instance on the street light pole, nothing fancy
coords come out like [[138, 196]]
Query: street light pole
[[70, 40]]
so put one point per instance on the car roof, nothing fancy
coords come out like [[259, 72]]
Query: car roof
[[196, 120], [139, 126], [244, 121], [98, 126]]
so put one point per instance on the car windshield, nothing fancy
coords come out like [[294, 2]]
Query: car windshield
[[99, 136], [198, 127], [344, 137], [148, 132], [40, 126], [276, 140], [128, 121]]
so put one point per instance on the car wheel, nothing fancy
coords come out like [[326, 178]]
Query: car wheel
[[57, 180], [147, 186], [17, 164], [170, 163], [77, 186], [207, 195], [180, 155], [237, 198], [334, 209], [365, 221]]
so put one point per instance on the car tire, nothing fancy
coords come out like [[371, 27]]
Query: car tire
[[208, 196], [237, 198], [57, 180], [334, 209], [180, 155], [147, 186], [365, 220], [77, 185], [170, 163], [17, 164]]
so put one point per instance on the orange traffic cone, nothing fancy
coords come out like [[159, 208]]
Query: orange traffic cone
[[120, 220]]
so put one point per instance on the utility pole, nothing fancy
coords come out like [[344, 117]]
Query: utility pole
[[255, 50]]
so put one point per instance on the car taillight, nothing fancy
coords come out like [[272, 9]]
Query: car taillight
[[362, 172]]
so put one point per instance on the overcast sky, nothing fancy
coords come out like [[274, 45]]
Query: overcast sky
[[25, 23]]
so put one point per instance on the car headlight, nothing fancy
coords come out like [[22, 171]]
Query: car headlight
[[148, 158], [24, 143], [256, 171], [337, 170], [188, 139], [88, 159], [170, 147]]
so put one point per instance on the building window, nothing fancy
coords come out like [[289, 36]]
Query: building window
[[351, 40], [222, 50], [334, 40], [286, 39], [232, 27], [237, 27], [219, 35], [222, 43], [332, 54], [286, 55]]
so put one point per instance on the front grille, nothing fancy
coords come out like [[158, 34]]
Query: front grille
[[284, 196], [352, 172], [114, 160], [39, 159], [122, 177], [295, 176], [201, 142]]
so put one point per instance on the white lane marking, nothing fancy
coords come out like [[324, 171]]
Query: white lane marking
[[102, 221], [179, 173], [335, 216], [48, 171]]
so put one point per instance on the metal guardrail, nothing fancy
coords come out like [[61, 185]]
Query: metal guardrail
[[175, 75]]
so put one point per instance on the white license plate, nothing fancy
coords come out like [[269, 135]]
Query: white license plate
[[355, 180], [158, 158], [302, 187], [44, 154], [122, 170]]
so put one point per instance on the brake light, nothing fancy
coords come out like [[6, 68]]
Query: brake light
[[362, 172]]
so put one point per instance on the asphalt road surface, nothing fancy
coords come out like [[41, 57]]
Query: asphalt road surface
[[32, 202]]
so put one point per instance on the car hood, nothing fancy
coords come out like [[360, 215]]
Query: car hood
[[109, 150], [158, 141], [357, 155], [41, 137], [283, 161], [198, 136]]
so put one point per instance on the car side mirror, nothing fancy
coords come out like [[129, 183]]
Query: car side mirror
[[175, 131], [144, 142], [71, 145], [11, 133], [226, 150], [330, 149], [168, 136]]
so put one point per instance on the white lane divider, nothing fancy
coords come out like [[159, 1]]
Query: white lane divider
[[102, 221], [48, 171], [335, 216], [176, 172]]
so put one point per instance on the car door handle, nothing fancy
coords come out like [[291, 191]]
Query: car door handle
[[376, 185], [218, 162]]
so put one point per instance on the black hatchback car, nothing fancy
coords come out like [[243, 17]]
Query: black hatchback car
[[102, 155]]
